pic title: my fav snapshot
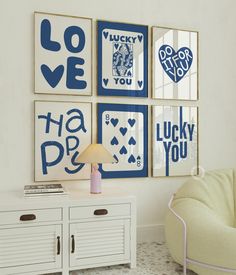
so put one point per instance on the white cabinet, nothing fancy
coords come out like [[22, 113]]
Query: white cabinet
[[100, 211], [61, 234], [99, 242], [30, 216], [30, 248]]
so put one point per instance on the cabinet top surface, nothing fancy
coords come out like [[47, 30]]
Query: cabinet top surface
[[74, 197]]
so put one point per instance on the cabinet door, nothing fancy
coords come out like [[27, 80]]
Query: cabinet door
[[99, 242], [30, 249]]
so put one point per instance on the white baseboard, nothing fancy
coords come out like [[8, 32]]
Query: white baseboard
[[150, 233]]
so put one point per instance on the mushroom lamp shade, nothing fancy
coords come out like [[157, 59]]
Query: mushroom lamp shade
[[95, 154]]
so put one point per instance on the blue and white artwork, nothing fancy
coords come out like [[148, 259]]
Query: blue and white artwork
[[123, 130], [62, 132], [122, 59], [175, 140], [63, 50], [175, 64]]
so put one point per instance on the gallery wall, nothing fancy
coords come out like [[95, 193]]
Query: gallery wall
[[215, 21]]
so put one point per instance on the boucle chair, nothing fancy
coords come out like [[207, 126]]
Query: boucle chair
[[200, 224]]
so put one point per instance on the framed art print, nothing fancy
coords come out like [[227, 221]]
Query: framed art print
[[175, 140], [122, 59], [123, 130], [62, 132], [63, 54], [174, 64]]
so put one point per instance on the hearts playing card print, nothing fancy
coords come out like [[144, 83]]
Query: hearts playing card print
[[122, 129], [175, 64]]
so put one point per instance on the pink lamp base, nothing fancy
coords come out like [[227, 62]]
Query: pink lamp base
[[95, 182]]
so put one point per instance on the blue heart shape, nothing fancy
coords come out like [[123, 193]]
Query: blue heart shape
[[116, 45], [140, 38], [114, 141], [138, 157], [140, 83], [123, 130], [132, 141], [105, 34], [131, 159], [175, 64], [107, 122], [105, 81], [114, 121], [52, 77], [131, 122], [123, 150]]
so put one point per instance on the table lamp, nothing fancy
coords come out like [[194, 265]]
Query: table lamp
[[95, 154]]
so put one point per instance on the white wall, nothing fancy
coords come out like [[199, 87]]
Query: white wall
[[215, 21]]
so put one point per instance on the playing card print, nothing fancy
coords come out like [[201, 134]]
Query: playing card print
[[175, 64], [122, 129], [122, 59]]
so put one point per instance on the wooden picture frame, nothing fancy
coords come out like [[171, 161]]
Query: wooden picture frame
[[62, 131], [174, 140], [123, 130], [122, 55], [174, 64], [63, 54]]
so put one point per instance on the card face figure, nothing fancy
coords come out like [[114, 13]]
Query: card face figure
[[122, 129], [63, 48], [122, 59], [62, 132], [175, 64], [175, 140]]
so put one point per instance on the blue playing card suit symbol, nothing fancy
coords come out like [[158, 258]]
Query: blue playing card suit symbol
[[131, 122], [105, 81], [140, 83], [52, 76], [131, 159], [175, 64], [114, 121], [123, 130], [116, 158], [132, 141], [105, 34], [138, 157], [123, 150], [114, 141], [140, 38], [116, 45], [107, 122]]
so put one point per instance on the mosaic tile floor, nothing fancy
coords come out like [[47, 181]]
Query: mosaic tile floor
[[152, 259]]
